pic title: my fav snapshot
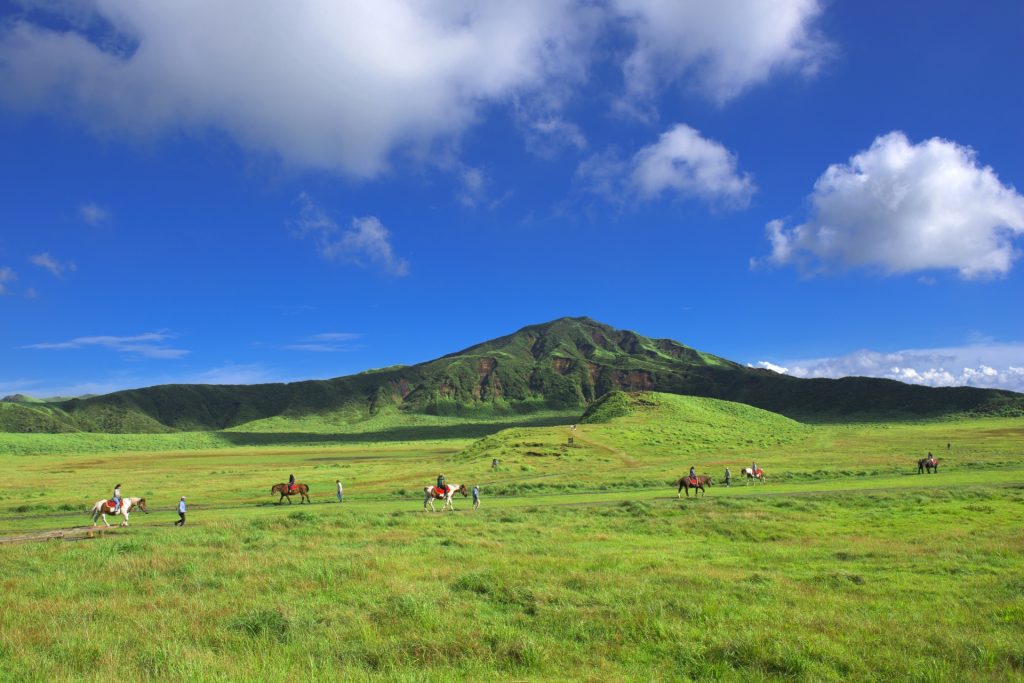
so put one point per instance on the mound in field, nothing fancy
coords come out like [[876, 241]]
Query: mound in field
[[686, 423], [649, 423]]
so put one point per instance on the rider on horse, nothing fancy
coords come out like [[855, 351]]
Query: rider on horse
[[441, 485], [291, 484], [116, 499], [693, 476]]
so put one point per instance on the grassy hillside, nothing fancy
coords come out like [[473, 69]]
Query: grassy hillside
[[580, 564], [564, 365]]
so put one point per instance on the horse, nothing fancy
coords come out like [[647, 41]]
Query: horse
[[300, 489], [928, 464], [754, 476], [430, 494], [102, 508], [702, 480]]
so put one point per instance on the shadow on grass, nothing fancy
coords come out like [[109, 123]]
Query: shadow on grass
[[470, 430]]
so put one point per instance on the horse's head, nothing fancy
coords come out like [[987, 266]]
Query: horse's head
[[141, 504], [709, 482], [462, 490]]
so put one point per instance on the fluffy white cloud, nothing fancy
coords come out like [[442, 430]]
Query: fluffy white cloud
[[56, 268], [323, 84], [721, 47], [344, 85], [147, 345], [903, 207], [6, 275], [685, 162], [365, 241], [681, 161], [989, 365], [93, 214]]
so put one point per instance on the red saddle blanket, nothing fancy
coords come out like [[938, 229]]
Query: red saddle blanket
[[759, 473], [109, 506], [440, 492]]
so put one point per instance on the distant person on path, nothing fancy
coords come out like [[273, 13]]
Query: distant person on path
[[728, 477], [181, 512], [340, 494], [948, 445], [291, 483], [476, 497], [117, 499], [494, 464]]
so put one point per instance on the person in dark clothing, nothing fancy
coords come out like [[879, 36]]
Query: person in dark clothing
[[693, 474], [728, 477], [440, 483], [181, 512], [291, 483]]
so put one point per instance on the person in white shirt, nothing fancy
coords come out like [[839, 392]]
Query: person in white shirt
[[181, 512], [340, 494]]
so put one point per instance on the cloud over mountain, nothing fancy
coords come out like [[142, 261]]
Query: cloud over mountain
[[904, 207]]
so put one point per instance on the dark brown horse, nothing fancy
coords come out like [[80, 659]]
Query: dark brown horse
[[931, 463], [697, 484], [300, 489]]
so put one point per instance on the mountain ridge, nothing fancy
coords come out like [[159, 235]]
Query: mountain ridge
[[563, 364]]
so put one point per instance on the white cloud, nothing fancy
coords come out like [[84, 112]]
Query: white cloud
[[366, 241], [685, 162], [56, 268], [327, 342], [93, 214], [988, 365], [6, 275], [146, 345], [681, 162], [721, 48], [344, 85], [902, 207], [229, 373], [322, 84]]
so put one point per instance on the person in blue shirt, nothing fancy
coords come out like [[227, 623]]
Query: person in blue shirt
[[476, 497], [117, 499], [181, 512], [693, 474]]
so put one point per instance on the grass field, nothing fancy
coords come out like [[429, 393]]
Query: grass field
[[581, 564]]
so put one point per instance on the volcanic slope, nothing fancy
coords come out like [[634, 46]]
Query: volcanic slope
[[563, 365]]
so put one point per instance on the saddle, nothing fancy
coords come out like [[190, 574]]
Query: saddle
[[441, 492], [293, 488], [693, 481], [109, 506]]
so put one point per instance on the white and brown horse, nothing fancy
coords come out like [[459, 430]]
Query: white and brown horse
[[430, 494], [102, 508], [754, 476]]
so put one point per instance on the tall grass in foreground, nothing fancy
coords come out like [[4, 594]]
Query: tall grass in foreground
[[918, 586]]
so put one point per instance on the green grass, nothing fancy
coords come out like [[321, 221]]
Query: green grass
[[580, 565]]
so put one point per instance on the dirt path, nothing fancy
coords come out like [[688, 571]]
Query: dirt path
[[78, 533]]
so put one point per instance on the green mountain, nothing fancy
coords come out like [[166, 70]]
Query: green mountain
[[564, 364]]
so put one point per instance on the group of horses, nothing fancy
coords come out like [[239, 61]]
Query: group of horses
[[698, 482], [102, 508]]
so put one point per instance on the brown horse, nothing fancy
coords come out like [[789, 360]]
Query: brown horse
[[700, 481], [930, 464], [300, 489]]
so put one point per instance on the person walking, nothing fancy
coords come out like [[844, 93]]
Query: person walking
[[340, 492], [476, 497], [181, 512], [728, 477]]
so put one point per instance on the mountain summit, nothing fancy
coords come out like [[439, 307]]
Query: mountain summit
[[563, 364]]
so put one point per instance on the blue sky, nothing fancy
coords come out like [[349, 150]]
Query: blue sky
[[228, 192]]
